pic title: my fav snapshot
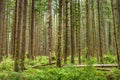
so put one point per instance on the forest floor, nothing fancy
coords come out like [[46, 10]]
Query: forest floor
[[34, 71]]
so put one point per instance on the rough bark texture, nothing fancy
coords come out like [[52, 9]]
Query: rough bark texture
[[59, 35], [50, 30], [31, 54], [1, 27], [79, 32], [72, 32], [88, 30], [18, 32], [66, 33], [93, 31], [23, 47], [118, 34], [99, 27]]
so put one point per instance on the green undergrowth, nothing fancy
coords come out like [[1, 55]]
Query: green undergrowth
[[52, 73], [68, 72], [65, 73]]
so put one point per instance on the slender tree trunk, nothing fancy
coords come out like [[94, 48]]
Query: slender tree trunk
[[99, 26], [118, 35], [88, 30], [93, 28], [2, 5], [18, 32], [23, 47], [50, 30], [32, 31], [59, 35], [72, 32], [79, 32], [66, 33], [7, 28]]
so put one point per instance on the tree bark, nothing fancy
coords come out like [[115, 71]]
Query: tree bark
[[118, 35], [50, 30], [66, 33], [79, 32], [59, 35], [31, 45], [99, 27], [17, 35], [72, 33], [23, 47], [2, 5], [88, 54]]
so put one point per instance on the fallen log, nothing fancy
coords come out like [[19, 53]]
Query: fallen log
[[98, 65]]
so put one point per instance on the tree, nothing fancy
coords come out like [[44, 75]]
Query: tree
[[88, 30], [93, 28], [31, 45], [59, 35], [118, 34], [2, 6], [72, 33], [99, 27], [23, 47], [50, 29], [66, 33], [79, 32], [14, 30], [18, 32]]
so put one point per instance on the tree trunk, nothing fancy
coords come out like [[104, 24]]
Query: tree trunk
[[99, 27], [23, 47], [2, 5], [66, 32], [79, 32], [18, 32], [118, 35], [72, 32], [59, 35], [50, 30], [31, 54], [88, 30]]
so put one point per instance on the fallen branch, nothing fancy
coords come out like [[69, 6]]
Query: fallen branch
[[49, 64], [39, 66]]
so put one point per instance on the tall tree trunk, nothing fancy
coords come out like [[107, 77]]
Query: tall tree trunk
[[59, 35], [50, 30], [79, 32], [118, 35], [100, 38], [88, 30], [2, 5], [18, 32], [72, 32], [23, 47], [14, 30], [7, 28], [66, 33], [93, 28], [31, 54]]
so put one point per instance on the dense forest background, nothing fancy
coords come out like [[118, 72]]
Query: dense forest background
[[62, 31]]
